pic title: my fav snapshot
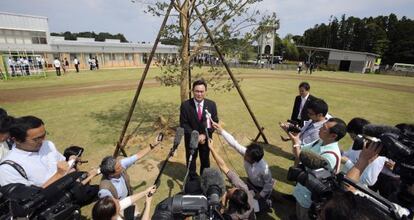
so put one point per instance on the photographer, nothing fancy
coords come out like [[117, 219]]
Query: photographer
[[404, 196], [33, 160], [258, 172], [109, 208], [349, 158], [316, 111], [327, 146], [239, 203], [115, 181]]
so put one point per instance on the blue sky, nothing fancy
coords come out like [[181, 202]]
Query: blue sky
[[124, 16]]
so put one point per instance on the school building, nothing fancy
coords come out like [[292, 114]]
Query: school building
[[28, 36]]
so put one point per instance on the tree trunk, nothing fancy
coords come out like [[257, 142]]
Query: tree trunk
[[185, 62]]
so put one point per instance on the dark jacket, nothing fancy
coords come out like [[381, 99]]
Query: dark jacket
[[189, 120], [304, 113]]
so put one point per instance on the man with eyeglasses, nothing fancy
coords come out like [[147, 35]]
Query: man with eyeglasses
[[317, 111], [32, 160]]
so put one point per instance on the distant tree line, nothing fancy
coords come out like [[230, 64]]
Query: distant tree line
[[98, 37], [388, 36]]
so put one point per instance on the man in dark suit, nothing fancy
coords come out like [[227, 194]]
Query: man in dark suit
[[299, 112], [193, 117]]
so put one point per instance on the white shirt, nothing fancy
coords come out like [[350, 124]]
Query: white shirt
[[11, 62], [310, 131], [39, 166], [120, 183], [75, 61], [258, 173], [302, 103], [370, 175], [4, 150], [197, 103], [56, 63]]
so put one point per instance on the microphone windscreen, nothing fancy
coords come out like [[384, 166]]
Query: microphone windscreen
[[178, 136], [212, 177], [373, 130], [194, 139], [312, 160]]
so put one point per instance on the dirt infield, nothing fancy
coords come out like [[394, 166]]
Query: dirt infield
[[29, 94]]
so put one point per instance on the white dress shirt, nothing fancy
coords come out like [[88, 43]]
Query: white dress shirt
[[56, 63], [4, 149], [197, 103], [258, 173], [39, 166], [302, 103], [370, 175]]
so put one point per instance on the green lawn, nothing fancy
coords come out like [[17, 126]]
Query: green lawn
[[94, 120]]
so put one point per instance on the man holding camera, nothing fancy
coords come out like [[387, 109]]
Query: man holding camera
[[392, 142], [33, 160], [327, 146], [316, 111]]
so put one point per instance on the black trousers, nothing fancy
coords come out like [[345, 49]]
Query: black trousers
[[57, 71], [77, 68], [204, 152]]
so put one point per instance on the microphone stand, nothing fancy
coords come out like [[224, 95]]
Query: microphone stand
[[170, 154], [190, 159]]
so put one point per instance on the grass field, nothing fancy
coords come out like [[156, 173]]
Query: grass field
[[94, 120]]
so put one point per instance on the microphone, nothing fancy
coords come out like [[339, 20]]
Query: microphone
[[376, 131], [194, 141], [212, 184], [208, 119], [312, 160], [178, 136]]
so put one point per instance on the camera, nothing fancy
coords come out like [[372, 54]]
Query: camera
[[181, 206], [318, 181], [57, 201], [324, 185], [293, 126], [397, 145]]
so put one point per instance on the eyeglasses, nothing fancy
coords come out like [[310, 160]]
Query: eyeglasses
[[40, 138]]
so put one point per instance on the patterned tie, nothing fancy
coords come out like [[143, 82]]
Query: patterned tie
[[199, 112]]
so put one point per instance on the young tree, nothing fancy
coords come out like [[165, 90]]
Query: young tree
[[227, 19]]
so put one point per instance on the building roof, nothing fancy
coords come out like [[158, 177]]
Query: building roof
[[336, 50], [22, 15]]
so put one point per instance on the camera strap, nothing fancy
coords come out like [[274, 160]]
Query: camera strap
[[337, 160], [16, 166]]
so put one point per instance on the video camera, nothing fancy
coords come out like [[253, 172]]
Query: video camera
[[56, 201], [397, 145], [322, 182], [180, 206], [201, 199]]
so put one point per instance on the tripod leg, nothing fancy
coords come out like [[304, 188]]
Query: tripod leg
[[141, 83], [210, 35]]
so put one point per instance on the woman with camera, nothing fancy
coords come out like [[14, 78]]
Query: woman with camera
[[239, 201], [109, 208]]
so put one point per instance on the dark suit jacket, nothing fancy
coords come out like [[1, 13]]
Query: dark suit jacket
[[189, 120], [304, 113]]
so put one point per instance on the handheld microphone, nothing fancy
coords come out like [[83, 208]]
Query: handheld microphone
[[208, 119], [193, 147], [178, 136], [194, 141], [313, 160]]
